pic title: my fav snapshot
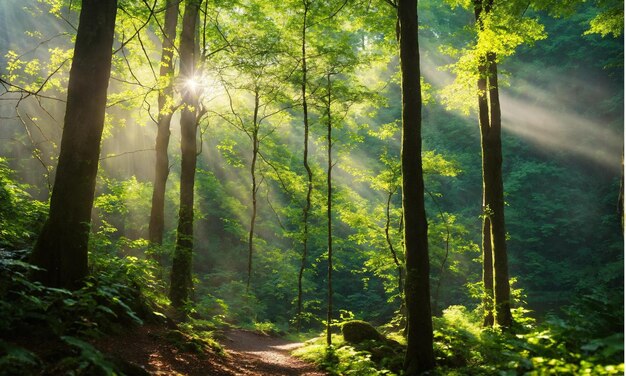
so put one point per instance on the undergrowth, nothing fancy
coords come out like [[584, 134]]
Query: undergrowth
[[118, 294], [587, 339]]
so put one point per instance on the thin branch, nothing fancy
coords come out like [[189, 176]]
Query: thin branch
[[137, 31], [392, 3], [280, 179], [37, 151], [445, 258], [280, 223], [125, 153]]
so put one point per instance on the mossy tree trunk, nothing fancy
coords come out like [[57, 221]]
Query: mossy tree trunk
[[166, 109], [181, 283], [494, 194], [419, 355], [483, 120], [495, 263], [61, 249]]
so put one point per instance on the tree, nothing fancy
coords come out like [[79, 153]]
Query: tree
[[419, 353], [305, 158], [165, 108], [329, 204], [499, 31], [181, 282], [61, 249], [494, 240]]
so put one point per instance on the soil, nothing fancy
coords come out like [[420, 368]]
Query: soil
[[247, 353], [256, 354]]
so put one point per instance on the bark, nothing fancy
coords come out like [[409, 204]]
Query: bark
[[483, 120], [305, 161], [329, 205], [61, 248], [181, 284], [488, 318], [161, 171], [255, 154], [419, 355], [494, 193], [490, 122]]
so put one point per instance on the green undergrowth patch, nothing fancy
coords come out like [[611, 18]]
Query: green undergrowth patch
[[464, 347], [587, 339], [368, 358], [44, 329], [197, 336]]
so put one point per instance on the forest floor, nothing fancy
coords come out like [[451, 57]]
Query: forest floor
[[247, 353]]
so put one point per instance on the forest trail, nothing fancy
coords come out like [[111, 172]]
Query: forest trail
[[247, 354], [256, 354]]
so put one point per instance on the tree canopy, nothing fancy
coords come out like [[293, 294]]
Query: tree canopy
[[292, 166]]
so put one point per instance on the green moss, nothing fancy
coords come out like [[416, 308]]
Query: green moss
[[357, 331]]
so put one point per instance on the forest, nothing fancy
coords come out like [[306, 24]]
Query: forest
[[311, 187]]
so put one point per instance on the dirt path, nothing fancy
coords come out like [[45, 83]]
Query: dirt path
[[248, 354], [255, 354]]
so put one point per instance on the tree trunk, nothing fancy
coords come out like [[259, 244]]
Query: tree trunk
[[161, 171], [483, 120], [255, 153], [419, 355], [181, 283], [494, 195], [495, 263], [487, 273], [329, 206], [61, 248], [305, 159]]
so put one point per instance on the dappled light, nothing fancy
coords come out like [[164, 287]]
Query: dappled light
[[311, 187]]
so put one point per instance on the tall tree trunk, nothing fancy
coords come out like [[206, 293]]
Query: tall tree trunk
[[487, 273], [61, 248], [181, 283], [494, 193], [161, 171], [495, 263], [305, 161], [419, 355], [255, 154], [483, 120], [329, 206]]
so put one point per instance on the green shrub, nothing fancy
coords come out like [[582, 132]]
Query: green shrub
[[21, 217]]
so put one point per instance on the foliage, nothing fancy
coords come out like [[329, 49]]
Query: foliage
[[20, 215], [344, 359], [464, 348], [570, 346], [194, 337], [564, 232], [111, 300]]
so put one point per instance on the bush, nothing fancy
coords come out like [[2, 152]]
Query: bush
[[111, 299], [21, 217]]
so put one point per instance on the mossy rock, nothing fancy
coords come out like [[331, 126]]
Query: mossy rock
[[357, 331]]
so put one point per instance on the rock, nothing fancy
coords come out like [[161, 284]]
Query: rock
[[357, 331]]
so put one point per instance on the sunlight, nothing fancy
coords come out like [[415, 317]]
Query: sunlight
[[204, 85], [548, 120], [193, 84], [555, 130]]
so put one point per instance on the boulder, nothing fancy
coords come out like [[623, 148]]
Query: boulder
[[357, 331]]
